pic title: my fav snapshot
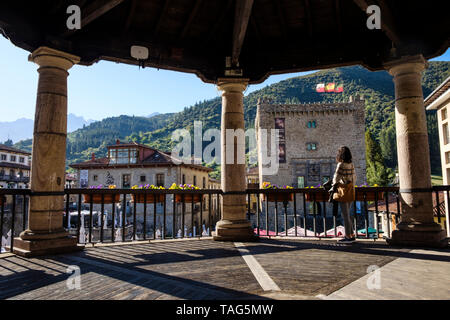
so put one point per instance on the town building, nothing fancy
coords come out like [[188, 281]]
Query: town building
[[439, 100], [252, 178], [128, 164], [309, 136], [15, 167]]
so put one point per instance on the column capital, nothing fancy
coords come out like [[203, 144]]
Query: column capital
[[48, 57], [232, 84], [406, 64]]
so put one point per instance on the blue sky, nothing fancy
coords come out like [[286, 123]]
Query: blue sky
[[107, 89]]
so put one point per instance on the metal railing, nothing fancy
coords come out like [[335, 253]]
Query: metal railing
[[140, 214], [306, 212], [13, 215], [112, 215]]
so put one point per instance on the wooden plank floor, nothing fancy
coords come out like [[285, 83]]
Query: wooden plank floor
[[194, 269]]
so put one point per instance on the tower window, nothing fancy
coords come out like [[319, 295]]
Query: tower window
[[311, 124]]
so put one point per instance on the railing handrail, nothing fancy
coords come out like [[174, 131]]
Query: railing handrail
[[321, 189], [206, 206], [11, 191], [142, 191]]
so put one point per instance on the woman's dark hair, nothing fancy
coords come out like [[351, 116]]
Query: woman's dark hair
[[344, 155]]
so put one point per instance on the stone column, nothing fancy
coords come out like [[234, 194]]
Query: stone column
[[233, 225], [417, 226], [45, 233]]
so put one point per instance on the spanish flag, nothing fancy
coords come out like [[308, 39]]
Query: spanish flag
[[320, 87], [330, 87], [339, 88]]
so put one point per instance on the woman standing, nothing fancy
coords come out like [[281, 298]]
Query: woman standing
[[344, 181]]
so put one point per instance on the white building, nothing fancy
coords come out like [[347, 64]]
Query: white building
[[14, 167], [439, 100]]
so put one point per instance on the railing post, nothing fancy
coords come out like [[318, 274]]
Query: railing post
[[304, 214], [163, 234], [102, 219], [257, 213], [295, 213], [145, 219]]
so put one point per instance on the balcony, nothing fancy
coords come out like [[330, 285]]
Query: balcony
[[10, 178], [139, 247], [97, 216]]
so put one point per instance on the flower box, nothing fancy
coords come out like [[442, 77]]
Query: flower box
[[147, 198], [317, 196], [97, 198], [188, 198], [370, 195], [279, 197]]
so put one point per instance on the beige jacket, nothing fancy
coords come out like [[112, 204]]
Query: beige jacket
[[345, 173]]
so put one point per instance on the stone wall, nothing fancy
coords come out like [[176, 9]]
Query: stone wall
[[336, 124]]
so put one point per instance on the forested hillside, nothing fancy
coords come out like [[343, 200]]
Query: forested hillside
[[376, 87]]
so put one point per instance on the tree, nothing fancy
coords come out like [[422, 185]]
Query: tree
[[8, 143], [376, 171], [388, 144]]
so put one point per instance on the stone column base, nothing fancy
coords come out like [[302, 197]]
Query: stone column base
[[234, 230], [431, 239], [33, 248]]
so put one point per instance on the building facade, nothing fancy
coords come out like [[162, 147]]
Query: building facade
[[309, 136], [130, 164], [439, 100], [15, 166]]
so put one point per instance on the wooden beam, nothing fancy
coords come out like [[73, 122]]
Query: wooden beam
[[255, 28], [191, 18], [337, 9], [387, 20], [161, 18], [219, 21], [93, 11], [130, 16], [242, 13], [308, 18], [281, 17]]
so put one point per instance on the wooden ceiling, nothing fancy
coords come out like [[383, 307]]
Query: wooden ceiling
[[260, 37]]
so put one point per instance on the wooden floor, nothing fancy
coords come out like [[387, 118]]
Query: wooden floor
[[196, 269]]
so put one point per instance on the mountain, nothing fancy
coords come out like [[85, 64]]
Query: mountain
[[22, 128], [153, 114], [75, 122], [376, 87], [16, 130]]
